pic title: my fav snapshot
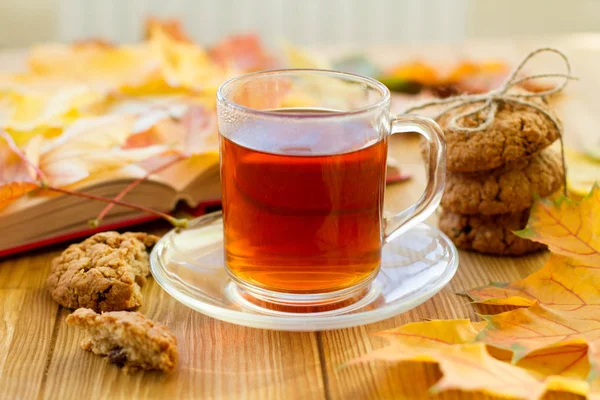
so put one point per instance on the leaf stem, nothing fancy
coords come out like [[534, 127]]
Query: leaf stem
[[135, 183], [177, 222], [13, 146]]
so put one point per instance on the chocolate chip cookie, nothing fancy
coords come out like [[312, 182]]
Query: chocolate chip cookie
[[517, 132], [489, 234], [128, 339], [503, 190], [104, 272]]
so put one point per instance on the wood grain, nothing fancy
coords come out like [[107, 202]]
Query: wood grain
[[40, 355]]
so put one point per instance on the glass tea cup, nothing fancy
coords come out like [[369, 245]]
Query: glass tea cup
[[303, 172]]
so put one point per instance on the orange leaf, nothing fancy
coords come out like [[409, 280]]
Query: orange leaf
[[171, 27], [416, 71], [568, 228], [13, 190], [244, 52], [12, 167]]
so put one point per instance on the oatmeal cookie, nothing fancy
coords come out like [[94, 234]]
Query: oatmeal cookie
[[104, 272], [128, 339], [517, 132], [491, 234], [503, 190]]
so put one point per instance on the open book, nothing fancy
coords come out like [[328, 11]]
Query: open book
[[39, 220]]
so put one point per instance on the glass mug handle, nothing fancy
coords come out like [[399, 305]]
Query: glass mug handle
[[436, 174]]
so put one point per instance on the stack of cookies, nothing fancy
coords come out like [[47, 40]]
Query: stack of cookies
[[494, 176]]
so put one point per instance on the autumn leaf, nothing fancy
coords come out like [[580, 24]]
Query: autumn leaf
[[191, 130], [90, 146], [13, 190], [242, 52], [583, 171], [570, 280], [184, 64], [537, 328], [526, 330], [561, 284], [469, 366], [171, 26], [568, 228], [562, 369], [103, 68], [12, 167], [27, 109]]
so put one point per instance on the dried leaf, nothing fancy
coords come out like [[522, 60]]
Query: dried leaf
[[416, 71], [13, 190], [184, 64], [561, 369], [90, 146], [561, 284], [526, 330], [568, 228], [170, 26], [556, 335], [27, 109], [104, 68], [465, 365], [570, 280], [583, 171], [194, 132], [12, 167], [242, 52]]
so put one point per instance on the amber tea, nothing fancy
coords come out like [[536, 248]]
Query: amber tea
[[304, 216]]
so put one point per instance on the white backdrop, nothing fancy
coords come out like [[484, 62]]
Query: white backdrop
[[305, 22]]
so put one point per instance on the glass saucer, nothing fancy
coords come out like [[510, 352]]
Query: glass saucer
[[189, 265]]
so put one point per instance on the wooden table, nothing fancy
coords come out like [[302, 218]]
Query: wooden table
[[40, 355]]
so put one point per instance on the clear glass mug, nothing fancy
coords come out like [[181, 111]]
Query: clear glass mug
[[303, 164]]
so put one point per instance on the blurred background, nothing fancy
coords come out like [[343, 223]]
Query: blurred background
[[305, 22]]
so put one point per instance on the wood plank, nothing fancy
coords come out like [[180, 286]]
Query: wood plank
[[27, 316], [217, 360]]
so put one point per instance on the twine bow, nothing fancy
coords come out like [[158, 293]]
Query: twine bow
[[491, 99]]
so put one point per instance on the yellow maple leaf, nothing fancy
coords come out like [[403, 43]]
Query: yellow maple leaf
[[553, 286], [555, 334], [184, 64], [102, 66], [28, 108], [552, 344], [568, 227], [583, 171], [469, 366], [572, 232]]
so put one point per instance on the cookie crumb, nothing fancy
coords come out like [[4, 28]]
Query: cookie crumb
[[127, 339]]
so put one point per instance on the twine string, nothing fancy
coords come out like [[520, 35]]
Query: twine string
[[490, 100]]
